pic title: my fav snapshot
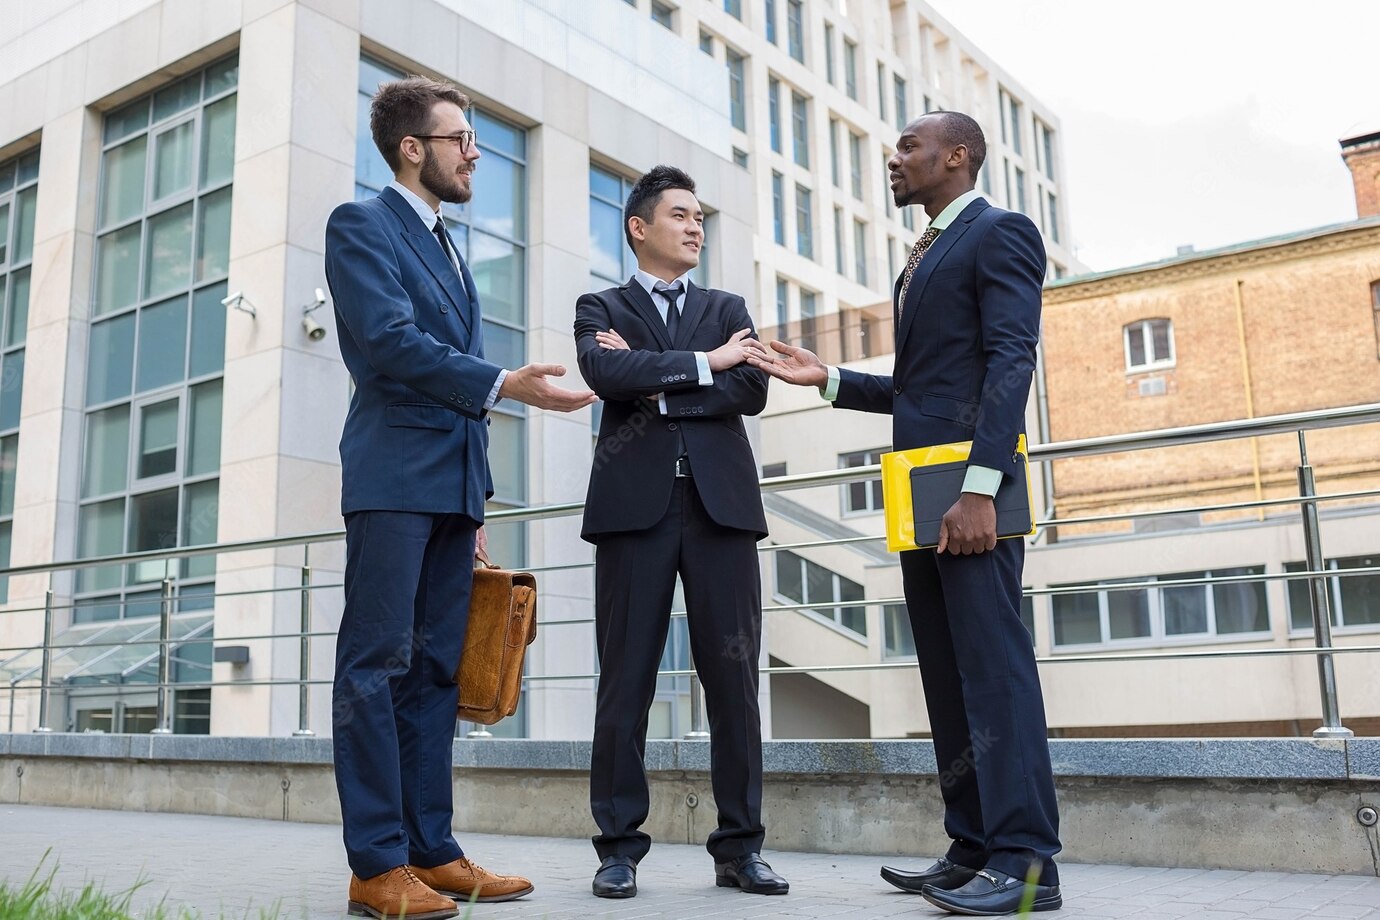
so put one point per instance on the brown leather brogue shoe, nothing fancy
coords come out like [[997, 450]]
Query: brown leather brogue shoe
[[461, 878], [398, 893]]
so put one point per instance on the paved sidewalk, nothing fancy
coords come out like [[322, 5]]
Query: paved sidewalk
[[233, 867]]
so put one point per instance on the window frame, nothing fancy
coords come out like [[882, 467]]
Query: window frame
[[1146, 329]]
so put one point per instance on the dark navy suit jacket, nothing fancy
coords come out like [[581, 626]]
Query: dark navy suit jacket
[[965, 343], [415, 438], [635, 458]]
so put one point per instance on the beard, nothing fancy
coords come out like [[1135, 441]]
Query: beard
[[442, 184]]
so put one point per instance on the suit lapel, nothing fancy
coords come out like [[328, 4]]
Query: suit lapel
[[690, 315], [428, 250], [940, 248], [641, 302]]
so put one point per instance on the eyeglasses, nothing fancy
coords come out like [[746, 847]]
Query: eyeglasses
[[466, 139]]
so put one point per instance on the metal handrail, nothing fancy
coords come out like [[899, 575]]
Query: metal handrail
[[1307, 499]]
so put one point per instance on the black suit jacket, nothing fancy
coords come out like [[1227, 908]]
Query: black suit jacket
[[965, 343], [634, 460]]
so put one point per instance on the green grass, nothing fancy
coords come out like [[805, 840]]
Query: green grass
[[38, 899]]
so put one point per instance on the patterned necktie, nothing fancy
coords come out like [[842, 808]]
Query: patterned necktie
[[440, 230], [917, 252], [672, 293]]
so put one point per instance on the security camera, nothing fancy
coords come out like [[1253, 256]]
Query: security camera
[[315, 331], [238, 301]]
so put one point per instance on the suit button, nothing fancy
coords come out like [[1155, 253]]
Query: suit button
[[454, 398], [445, 309], [898, 389], [672, 427]]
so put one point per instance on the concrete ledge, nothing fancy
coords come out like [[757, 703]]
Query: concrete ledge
[[1285, 804], [1225, 758]]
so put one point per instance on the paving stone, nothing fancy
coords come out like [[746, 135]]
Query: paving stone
[[231, 867]]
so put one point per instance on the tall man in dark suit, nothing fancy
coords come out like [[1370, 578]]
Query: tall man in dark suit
[[967, 321], [673, 490], [415, 477]]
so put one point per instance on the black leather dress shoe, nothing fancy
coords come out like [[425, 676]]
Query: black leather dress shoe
[[616, 878], [750, 873], [944, 874], [992, 894]]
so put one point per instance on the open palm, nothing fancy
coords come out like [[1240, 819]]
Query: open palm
[[798, 366]]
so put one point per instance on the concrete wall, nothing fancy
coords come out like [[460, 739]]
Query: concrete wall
[[1283, 805]]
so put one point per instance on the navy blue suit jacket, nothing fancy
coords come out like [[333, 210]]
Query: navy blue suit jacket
[[415, 438], [965, 343]]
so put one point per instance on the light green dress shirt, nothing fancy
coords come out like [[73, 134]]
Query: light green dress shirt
[[978, 479]]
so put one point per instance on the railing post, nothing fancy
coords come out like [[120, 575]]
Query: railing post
[[697, 731], [1319, 601], [164, 726], [46, 674], [304, 665]]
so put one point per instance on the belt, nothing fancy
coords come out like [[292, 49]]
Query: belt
[[683, 468]]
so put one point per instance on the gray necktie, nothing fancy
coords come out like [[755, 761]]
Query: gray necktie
[[672, 293]]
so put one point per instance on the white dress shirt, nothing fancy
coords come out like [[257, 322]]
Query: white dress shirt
[[663, 306]]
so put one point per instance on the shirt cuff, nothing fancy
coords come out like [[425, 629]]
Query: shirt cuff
[[831, 389], [493, 394], [982, 481], [706, 375], [661, 402]]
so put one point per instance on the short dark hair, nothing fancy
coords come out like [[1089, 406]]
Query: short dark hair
[[403, 108], [645, 195], [956, 128]]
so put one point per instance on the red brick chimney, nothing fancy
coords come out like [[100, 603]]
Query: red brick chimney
[[1362, 156]]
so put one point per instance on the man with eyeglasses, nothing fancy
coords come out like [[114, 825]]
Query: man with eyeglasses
[[415, 476]]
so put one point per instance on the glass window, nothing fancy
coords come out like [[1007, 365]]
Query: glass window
[[769, 17], [162, 344], [800, 129], [218, 143], [707, 43], [829, 52], [1149, 343], [862, 497], [859, 252], [1128, 613], [122, 186], [161, 259], [158, 424], [11, 389], [1359, 595], [850, 68], [902, 115], [107, 452], [734, 8], [662, 14], [9, 463], [1240, 607], [172, 161], [168, 266], [110, 364], [783, 306], [804, 223], [840, 260], [737, 96], [778, 208], [855, 165], [774, 112], [203, 436], [795, 29], [1076, 619], [898, 639], [835, 168], [17, 312], [213, 236]]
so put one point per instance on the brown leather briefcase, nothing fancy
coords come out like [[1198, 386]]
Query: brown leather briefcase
[[503, 622]]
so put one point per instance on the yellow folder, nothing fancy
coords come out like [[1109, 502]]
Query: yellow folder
[[940, 468]]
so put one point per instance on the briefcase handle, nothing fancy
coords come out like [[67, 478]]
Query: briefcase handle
[[482, 561]]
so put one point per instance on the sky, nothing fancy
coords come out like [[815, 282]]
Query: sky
[[1200, 123]]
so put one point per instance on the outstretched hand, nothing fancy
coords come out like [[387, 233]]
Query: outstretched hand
[[798, 366], [529, 384]]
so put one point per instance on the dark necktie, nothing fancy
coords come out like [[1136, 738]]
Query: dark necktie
[[672, 293], [440, 230], [917, 253]]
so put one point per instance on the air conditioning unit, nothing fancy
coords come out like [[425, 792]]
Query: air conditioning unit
[[1152, 386]]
